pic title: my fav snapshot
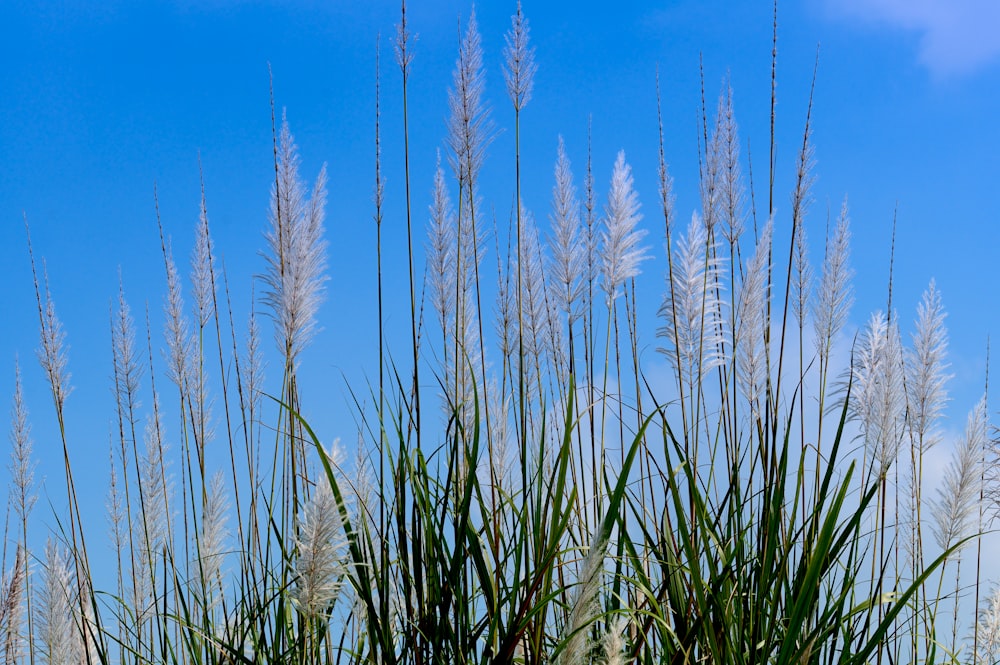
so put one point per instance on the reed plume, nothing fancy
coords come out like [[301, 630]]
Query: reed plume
[[567, 242], [621, 252], [751, 323], [319, 546], [584, 608], [296, 257], [58, 635], [13, 592]]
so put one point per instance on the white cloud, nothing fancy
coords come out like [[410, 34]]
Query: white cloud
[[956, 36]]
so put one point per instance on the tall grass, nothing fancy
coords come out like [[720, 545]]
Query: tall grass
[[524, 491]]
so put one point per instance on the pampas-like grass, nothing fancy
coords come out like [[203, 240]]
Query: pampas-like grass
[[22, 499], [988, 628], [57, 632], [202, 268], [956, 502], [535, 330], [12, 602], [21, 466], [584, 608], [177, 329], [691, 306], [613, 642], [441, 251], [212, 544], [53, 354], [713, 540], [751, 318], [877, 397], [927, 371], [834, 295], [519, 60], [319, 560], [567, 242], [726, 145], [296, 256], [469, 126], [621, 252]]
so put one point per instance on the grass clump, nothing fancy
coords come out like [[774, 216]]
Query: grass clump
[[523, 492]]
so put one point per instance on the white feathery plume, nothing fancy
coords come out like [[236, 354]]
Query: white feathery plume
[[126, 358], [801, 275], [584, 607], [22, 470], [877, 393], [558, 350], [177, 331], [203, 291], [708, 177], [152, 523], [567, 242], [53, 354], [86, 624], [296, 258], [534, 319], [834, 296], [156, 490], [469, 132], [401, 45], [732, 194], [464, 329], [893, 398], [926, 371], [116, 510], [319, 543], [22, 499], [58, 636], [203, 268], [519, 60], [503, 457], [620, 237], [212, 543], [801, 199], [692, 301], [613, 644], [254, 364], [441, 251], [469, 126], [751, 320], [804, 176], [666, 181], [865, 375], [12, 593], [957, 498], [505, 324], [363, 484], [988, 628]]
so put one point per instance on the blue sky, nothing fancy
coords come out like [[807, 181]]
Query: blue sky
[[102, 100]]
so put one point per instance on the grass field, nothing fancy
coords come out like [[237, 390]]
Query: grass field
[[521, 489]]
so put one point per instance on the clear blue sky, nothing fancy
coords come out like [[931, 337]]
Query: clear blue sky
[[100, 100]]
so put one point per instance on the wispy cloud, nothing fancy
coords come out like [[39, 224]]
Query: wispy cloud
[[956, 36]]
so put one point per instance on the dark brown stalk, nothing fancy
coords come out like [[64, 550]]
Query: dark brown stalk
[[979, 541], [403, 58], [247, 440]]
